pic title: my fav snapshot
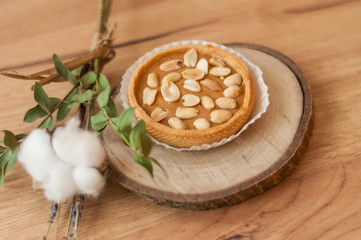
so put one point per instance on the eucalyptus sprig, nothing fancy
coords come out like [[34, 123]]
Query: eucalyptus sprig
[[9, 148], [90, 90], [95, 86]]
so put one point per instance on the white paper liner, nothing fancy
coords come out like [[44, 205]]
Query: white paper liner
[[261, 101]]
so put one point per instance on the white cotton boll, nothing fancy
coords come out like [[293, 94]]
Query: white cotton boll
[[37, 155], [88, 180], [78, 146], [73, 123], [60, 186]]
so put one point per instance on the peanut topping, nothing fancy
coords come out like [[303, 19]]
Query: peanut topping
[[232, 92], [186, 113], [192, 85], [170, 92], [203, 65], [212, 85], [152, 80], [194, 73], [171, 65], [233, 80], [220, 116], [207, 102], [176, 123], [201, 124], [190, 58], [159, 114], [149, 96], [171, 77], [220, 71], [190, 100], [226, 103]]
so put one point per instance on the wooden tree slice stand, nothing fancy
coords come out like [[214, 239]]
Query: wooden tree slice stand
[[257, 160]]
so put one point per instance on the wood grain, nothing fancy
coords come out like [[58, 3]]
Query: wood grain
[[259, 159], [320, 200]]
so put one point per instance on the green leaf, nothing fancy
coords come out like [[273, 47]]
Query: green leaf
[[10, 139], [54, 103], [88, 79], [103, 83], [34, 113], [48, 124], [41, 98], [83, 97], [4, 158], [62, 70], [136, 134], [21, 136], [159, 165], [99, 121], [139, 138], [65, 107], [77, 71], [110, 108], [63, 111], [103, 97], [124, 121], [72, 105], [2, 149], [146, 144], [144, 161], [104, 90], [12, 159]]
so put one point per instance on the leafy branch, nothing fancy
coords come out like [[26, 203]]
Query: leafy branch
[[8, 152], [88, 89]]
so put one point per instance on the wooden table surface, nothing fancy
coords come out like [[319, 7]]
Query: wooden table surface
[[320, 200]]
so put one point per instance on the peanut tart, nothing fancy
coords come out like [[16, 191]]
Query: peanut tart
[[192, 95]]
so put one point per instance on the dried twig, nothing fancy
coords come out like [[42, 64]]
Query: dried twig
[[101, 52]]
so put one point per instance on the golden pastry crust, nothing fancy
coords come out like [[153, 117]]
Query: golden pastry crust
[[195, 137]]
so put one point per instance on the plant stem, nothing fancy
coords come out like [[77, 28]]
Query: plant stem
[[69, 219], [104, 10], [47, 231], [81, 114], [57, 222], [57, 106], [77, 205], [90, 114], [53, 211], [115, 127]]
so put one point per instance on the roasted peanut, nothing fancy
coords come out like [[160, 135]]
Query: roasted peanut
[[149, 96], [212, 85], [159, 114], [220, 71], [220, 116], [201, 124], [233, 80], [186, 113], [170, 92], [190, 58], [207, 102], [152, 80], [190, 100], [176, 123], [171, 65]]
